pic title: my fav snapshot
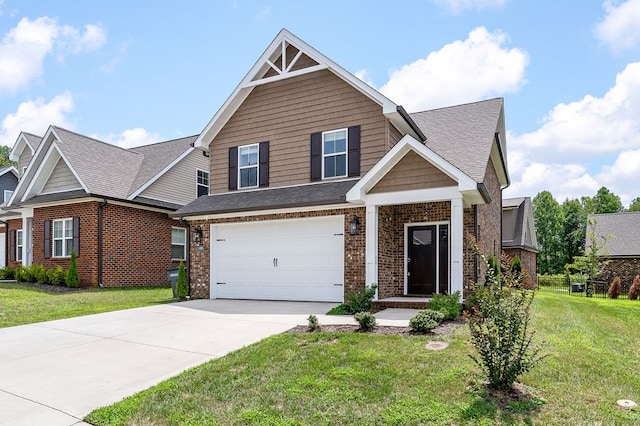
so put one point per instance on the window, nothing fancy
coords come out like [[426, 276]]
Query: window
[[202, 183], [178, 243], [7, 195], [334, 153], [62, 237], [19, 244], [248, 166]]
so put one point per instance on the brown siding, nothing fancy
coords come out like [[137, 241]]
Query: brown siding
[[412, 172], [394, 135], [354, 248], [285, 113]]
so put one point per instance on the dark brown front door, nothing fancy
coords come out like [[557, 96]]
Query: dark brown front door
[[421, 259]]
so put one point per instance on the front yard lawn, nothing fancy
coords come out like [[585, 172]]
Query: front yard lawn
[[23, 304], [360, 379]]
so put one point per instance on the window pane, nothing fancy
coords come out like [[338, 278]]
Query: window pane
[[329, 166], [341, 165], [248, 155], [68, 247], [177, 252], [68, 228], [203, 178], [19, 238], [329, 147], [341, 141], [57, 248], [57, 229], [178, 236], [249, 177], [202, 190]]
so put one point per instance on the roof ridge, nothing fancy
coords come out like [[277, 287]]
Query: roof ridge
[[458, 105], [162, 142], [93, 139]]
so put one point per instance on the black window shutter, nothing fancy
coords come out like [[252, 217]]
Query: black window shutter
[[76, 235], [264, 163], [233, 168], [354, 151], [12, 246], [47, 239], [316, 156]]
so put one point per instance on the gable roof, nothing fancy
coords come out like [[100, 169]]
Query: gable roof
[[625, 229], [466, 136], [100, 168], [9, 169], [274, 65], [522, 223], [25, 140]]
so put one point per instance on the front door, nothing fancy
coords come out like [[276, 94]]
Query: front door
[[422, 259]]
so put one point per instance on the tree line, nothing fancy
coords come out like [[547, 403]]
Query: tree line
[[561, 228]]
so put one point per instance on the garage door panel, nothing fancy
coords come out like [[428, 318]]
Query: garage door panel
[[279, 260]]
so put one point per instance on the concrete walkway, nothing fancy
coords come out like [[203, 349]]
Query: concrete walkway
[[57, 372]]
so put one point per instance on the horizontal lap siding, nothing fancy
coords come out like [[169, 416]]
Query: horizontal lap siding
[[61, 179], [285, 113], [412, 172], [178, 185]]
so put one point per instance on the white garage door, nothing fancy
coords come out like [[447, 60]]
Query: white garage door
[[297, 259]]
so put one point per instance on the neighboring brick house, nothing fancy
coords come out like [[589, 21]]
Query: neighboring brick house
[[321, 185], [108, 204], [519, 233], [622, 250], [8, 183]]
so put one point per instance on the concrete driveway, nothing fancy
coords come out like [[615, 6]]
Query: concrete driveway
[[57, 372]]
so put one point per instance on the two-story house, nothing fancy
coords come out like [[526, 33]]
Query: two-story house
[[107, 204], [321, 185], [8, 183]]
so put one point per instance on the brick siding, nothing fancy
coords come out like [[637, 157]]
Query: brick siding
[[625, 268], [528, 259]]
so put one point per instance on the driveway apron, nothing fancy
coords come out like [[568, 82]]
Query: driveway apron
[[57, 372]]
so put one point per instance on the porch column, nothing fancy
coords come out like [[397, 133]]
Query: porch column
[[371, 252], [457, 240], [27, 237]]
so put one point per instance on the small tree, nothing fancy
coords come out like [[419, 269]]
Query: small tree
[[73, 279], [614, 288], [593, 263], [182, 289], [634, 291]]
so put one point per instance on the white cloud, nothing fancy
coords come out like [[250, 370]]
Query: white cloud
[[619, 29], [363, 75], [583, 145], [131, 138], [24, 48], [462, 71], [457, 6], [36, 116]]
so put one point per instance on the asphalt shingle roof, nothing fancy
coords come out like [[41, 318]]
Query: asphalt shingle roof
[[520, 236], [625, 229]]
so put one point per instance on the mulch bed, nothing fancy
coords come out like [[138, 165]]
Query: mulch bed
[[443, 329], [52, 288]]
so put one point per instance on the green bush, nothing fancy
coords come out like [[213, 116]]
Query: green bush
[[182, 288], [40, 274], [449, 305], [516, 265], [356, 302], [57, 276], [366, 320], [8, 273], [313, 325], [426, 320], [73, 279], [25, 274]]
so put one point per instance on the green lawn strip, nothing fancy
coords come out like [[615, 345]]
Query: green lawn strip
[[360, 379], [22, 304]]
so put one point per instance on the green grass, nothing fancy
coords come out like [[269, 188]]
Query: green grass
[[21, 304], [360, 379]]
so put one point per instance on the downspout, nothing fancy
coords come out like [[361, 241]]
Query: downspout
[[475, 233], [101, 206]]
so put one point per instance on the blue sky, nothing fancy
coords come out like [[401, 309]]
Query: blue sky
[[137, 72]]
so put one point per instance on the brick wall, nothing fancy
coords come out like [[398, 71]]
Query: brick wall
[[625, 268], [490, 219], [528, 259], [354, 248]]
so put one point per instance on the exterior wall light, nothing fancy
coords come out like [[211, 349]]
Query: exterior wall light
[[197, 235], [354, 226]]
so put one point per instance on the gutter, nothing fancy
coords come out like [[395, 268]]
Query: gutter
[[404, 114], [101, 206]]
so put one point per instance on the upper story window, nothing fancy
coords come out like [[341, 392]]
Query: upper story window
[[248, 166], [19, 244], [178, 243], [334, 153], [7, 195], [62, 237], [202, 183]]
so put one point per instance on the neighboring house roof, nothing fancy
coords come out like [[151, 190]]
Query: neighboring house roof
[[8, 169], [624, 229], [315, 194], [100, 169], [25, 140], [465, 136], [271, 67], [518, 226]]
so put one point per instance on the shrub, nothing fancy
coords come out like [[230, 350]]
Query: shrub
[[57, 276], [314, 325], [634, 291], [366, 320], [182, 288], [25, 274], [449, 305], [356, 302], [493, 269], [516, 265], [73, 279], [499, 325], [8, 273], [614, 288], [39, 274], [426, 320]]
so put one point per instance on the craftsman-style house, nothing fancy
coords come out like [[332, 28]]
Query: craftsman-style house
[[321, 185]]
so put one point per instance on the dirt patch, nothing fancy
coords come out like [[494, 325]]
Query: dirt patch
[[517, 397], [445, 328]]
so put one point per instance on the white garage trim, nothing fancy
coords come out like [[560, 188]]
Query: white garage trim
[[289, 259]]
